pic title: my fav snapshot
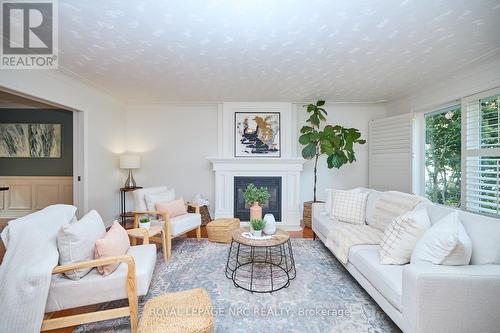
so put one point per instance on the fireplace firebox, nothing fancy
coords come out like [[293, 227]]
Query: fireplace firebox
[[273, 206]]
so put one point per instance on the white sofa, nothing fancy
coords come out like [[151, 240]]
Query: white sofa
[[425, 297]]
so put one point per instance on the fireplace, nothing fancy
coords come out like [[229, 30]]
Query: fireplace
[[273, 206]]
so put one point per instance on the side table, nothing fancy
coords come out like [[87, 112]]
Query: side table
[[124, 215]]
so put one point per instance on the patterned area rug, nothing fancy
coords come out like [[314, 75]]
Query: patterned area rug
[[322, 298]]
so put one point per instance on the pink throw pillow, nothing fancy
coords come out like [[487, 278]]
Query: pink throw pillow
[[114, 243], [174, 207]]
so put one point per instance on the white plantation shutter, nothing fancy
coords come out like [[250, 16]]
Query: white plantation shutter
[[390, 153], [481, 154]]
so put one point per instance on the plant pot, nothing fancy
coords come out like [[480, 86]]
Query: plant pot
[[270, 228], [145, 225], [255, 211], [257, 233]]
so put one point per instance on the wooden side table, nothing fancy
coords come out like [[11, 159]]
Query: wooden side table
[[124, 215]]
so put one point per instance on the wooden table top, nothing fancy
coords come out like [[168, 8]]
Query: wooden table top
[[280, 237]]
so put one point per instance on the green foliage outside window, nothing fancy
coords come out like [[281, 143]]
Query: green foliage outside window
[[443, 156]]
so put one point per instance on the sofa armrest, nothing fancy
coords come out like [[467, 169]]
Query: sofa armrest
[[440, 298], [316, 210], [129, 260]]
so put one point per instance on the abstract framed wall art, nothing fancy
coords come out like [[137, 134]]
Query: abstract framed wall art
[[257, 134], [30, 140]]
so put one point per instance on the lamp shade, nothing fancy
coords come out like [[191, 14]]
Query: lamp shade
[[130, 162]]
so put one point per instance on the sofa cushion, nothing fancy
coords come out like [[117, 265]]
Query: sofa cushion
[[391, 205], [140, 196], [75, 242], [323, 224], [180, 224], [387, 279], [94, 288], [345, 235], [445, 243], [348, 206], [483, 231]]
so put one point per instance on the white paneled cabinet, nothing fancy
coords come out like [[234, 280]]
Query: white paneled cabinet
[[29, 194]]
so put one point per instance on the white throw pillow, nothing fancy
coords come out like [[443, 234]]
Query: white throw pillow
[[401, 236], [328, 199], [139, 196], [76, 241], [445, 243], [349, 206], [153, 199]]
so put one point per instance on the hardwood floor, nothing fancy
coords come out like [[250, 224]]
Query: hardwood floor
[[305, 233]]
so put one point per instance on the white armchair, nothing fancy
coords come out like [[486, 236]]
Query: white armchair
[[164, 228], [127, 281]]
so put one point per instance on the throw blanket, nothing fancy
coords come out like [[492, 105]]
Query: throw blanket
[[344, 235], [391, 205], [26, 270]]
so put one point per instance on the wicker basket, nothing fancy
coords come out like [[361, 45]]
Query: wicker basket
[[184, 311], [221, 230], [205, 214]]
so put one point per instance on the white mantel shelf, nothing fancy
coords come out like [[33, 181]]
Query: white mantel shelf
[[248, 163]]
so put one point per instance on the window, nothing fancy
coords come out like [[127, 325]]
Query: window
[[482, 160], [442, 151]]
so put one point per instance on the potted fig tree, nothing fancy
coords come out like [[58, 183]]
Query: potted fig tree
[[255, 197], [334, 141]]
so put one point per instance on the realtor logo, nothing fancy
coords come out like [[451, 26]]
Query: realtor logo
[[29, 34]]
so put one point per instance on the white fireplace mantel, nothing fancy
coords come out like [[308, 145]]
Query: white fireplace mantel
[[288, 166], [288, 169]]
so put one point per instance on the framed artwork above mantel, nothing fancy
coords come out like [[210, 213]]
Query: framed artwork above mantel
[[257, 134]]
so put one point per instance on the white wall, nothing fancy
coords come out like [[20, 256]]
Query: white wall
[[482, 76], [349, 175], [174, 141], [105, 120]]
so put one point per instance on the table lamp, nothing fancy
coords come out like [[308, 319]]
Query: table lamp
[[130, 162]]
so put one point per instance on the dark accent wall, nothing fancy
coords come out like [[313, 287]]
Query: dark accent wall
[[40, 166]]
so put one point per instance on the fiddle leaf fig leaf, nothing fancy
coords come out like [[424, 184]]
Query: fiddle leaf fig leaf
[[306, 129], [309, 151], [320, 103], [304, 139]]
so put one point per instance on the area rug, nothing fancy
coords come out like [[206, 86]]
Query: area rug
[[322, 298]]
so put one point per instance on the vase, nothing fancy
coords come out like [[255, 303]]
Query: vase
[[257, 233], [145, 225], [255, 211], [270, 228]]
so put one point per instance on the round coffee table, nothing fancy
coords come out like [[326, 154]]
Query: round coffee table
[[260, 266]]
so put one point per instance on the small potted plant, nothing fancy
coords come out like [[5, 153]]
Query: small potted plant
[[257, 227], [145, 222], [255, 198]]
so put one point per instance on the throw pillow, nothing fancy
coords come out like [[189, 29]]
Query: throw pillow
[[328, 199], [75, 242], [114, 243], [445, 243], [390, 205], [174, 207], [349, 206], [154, 198], [139, 196], [401, 236]]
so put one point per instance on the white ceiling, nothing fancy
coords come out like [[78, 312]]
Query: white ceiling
[[243, 50]]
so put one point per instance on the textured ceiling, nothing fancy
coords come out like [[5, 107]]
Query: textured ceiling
[[242, 50]]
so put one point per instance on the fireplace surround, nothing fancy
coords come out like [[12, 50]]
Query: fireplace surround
[[287, 168]]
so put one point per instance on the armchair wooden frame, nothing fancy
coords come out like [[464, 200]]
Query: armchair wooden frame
[[165, 235], [131, 310]]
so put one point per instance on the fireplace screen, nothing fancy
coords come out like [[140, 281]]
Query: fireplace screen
[[273, 206]]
